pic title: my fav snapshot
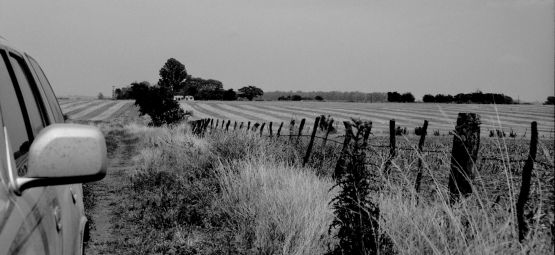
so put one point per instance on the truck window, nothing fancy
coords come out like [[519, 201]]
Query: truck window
[[52, 101], [29, 93], [12, 114]]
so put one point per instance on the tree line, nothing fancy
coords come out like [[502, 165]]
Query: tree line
[[157, 101], [477, 97], [352, 96], [175, 79]]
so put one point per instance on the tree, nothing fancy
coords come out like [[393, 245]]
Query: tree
[[428, 98], [407, 98], [393, 97], [117, 93], [172, 75], [296, 98], [230, 95], [100, 96], [158, 103], [250, 92], [319, 98], [550, 101]]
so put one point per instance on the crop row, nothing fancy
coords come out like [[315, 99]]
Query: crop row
[[440, 116]]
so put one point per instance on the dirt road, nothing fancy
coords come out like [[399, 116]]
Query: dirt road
[[108, 193]]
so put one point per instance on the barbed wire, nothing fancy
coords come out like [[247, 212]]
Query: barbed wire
[[374, 147]]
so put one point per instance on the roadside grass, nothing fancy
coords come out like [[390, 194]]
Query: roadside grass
[[273, 206], [238, 193]]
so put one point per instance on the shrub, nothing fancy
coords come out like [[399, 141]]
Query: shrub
[[401, 131], [418, 131], [356, 215], [498, 133], [296, 98], [158, 103], [512, 134]]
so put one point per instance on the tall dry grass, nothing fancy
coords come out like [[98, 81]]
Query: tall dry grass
[[238, 193], [275, 208], [475, 225]]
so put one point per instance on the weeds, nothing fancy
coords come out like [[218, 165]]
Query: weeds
[[238, 193]]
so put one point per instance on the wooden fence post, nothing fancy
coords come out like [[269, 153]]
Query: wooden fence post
[[270, 128], [262, 128], [205, 123], [217, 123], [291, 128], [466, 143], [227, 125], [311, 143], [211, 123], [241, 126], [279, 129], [366, 135], [235, 126], [392, 146], [420, 146], [329, 128], [525, 187], [249, 126], [223, 123], [193, 124], [340, 166], [301, 126]]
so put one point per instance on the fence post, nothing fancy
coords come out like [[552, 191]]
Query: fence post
[[311, 143], [420, 146], [227, 125], [205, 123], [279, 129], [217, 123], [301, 126], [366, 135], [192, 123], [249, 126], [291, 127], [211, 123], [392, 145], [241, 126], [235, 126], [223, 123], [466, 142], [262, 128], [525, 187], [270, 128], [329, 128], [340, 166]]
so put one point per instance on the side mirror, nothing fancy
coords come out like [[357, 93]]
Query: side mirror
[[63, 154]]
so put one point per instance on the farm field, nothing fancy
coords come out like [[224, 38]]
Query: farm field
[[153, 166], [96, 110], [441, 117]]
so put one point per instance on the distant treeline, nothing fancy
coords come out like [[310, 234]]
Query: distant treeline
[[326, 95], [469, 98]]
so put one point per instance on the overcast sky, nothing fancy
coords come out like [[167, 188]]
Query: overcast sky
[[429, 46]]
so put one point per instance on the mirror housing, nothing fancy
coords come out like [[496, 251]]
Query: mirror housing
[[64, 154]]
